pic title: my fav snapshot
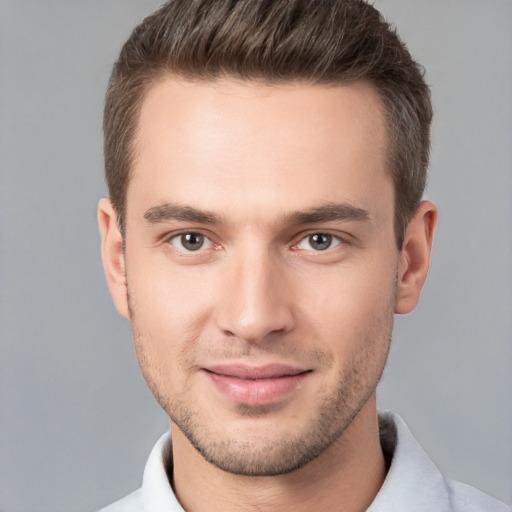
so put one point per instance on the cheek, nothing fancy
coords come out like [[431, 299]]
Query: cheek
[[167, 317], [366, 283], [356, 306], [166, 296], [168, 313]]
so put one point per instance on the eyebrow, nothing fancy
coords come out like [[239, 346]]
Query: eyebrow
[[167, 211], [329, 212]]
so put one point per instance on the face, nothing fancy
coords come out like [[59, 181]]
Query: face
[[261, 264]]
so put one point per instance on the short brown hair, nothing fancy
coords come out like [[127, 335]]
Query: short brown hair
[[313, 41]]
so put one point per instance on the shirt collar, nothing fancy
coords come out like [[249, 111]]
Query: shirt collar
[[157, 493], [412, 481]]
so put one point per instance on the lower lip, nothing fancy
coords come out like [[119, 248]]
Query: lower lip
[[259, 391]]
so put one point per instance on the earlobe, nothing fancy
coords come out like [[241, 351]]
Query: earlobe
[[415, 257], [113, 255]]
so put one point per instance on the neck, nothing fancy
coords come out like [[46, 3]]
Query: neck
[[345, 477]]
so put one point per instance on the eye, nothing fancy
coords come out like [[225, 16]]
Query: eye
[[318, 242], [190, 242]]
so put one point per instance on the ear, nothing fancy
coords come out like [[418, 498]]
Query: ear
[[113, 255], [415, 257]]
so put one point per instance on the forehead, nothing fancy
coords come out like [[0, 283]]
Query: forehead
[[258, 143]]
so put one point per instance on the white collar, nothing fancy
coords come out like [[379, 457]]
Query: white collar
[[412, 481]]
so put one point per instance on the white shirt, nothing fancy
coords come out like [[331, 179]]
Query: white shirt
[[412, 484]]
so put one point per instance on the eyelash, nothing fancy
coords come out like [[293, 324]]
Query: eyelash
[[332, 239], [178, 238]]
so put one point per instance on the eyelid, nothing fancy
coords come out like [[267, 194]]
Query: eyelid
[[336, 237], [209, 244]]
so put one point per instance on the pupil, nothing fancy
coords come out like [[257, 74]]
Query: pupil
[[320, 241], [192, 241]]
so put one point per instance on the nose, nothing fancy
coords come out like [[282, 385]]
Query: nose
[[255, 301]]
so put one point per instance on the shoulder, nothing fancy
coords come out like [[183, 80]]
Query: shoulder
[[465, 498], [130, 503], [413, 482]]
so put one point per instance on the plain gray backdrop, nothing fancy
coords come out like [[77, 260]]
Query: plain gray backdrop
[[76, 420]]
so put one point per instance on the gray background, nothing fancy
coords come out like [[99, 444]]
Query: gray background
[[76, 420]]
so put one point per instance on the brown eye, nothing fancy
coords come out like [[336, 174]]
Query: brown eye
[[320, 241], [190, 242]]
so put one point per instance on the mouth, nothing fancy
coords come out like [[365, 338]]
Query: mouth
[[256, 385]]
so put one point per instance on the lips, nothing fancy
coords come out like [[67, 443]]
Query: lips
[[256, 385]]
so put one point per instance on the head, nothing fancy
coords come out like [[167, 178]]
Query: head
[[329, 42], [265, 162]]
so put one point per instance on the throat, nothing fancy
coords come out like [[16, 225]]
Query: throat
[[345, 477]]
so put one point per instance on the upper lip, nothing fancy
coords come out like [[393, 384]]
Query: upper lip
[[248, 372]]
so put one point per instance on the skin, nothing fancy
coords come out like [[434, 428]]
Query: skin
[[253, 171]]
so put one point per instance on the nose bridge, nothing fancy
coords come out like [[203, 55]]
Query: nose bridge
[[255, 301]]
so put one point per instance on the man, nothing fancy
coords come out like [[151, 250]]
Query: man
[[266, 162]]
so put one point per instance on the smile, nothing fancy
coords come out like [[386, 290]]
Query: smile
[[251, 385]]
